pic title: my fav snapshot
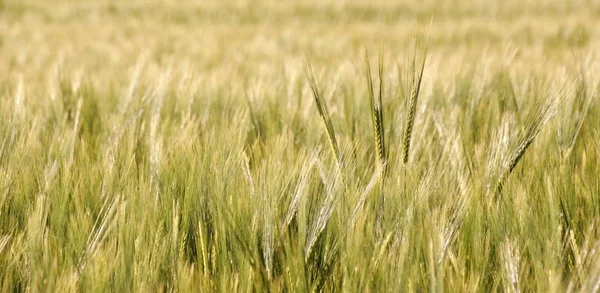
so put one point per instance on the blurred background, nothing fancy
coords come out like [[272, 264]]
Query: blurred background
[[105, 37]]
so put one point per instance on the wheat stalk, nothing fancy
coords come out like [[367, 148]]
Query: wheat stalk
[[376, 107]]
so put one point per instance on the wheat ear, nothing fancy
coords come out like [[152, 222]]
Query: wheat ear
[[323, 111], [376, 109], [534, 129], [412, 108]]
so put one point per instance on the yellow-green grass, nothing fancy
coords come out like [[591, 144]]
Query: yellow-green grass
[[178, 146]]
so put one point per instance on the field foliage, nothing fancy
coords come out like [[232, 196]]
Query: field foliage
[[351, 146]]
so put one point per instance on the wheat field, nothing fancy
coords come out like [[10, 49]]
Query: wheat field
[[295, 146]]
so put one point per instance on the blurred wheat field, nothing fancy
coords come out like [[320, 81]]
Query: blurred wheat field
[[240, 146]]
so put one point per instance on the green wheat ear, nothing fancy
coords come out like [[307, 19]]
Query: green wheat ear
[[323, 111], [412, 107], [376, 107], [532, 132]]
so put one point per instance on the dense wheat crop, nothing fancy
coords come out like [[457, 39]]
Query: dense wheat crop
[[298, 146]]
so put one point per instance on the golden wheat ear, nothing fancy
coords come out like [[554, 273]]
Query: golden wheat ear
[[412, 107], [323, 111]]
